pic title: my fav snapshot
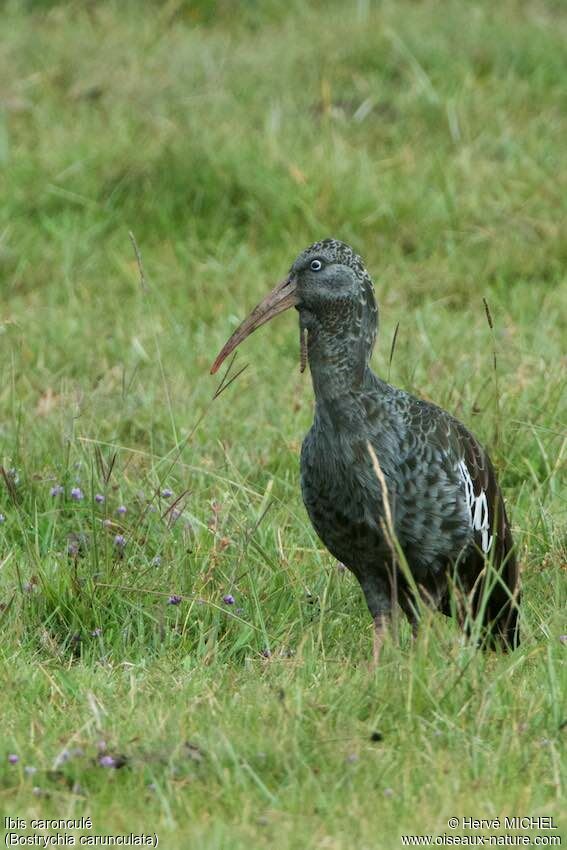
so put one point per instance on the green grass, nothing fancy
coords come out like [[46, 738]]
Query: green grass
[[430, 135]]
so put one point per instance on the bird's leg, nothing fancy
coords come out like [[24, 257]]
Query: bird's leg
[[380, 605], [414, 623], [380, 627], [430, 599]]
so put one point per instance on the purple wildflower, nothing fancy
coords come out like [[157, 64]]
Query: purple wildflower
[[121, 509], [107, 761], [57, 490], [174, 599], [228, 599], [120, 541], [166, 493], [77, 494], [174, 515], [99, 498], [13, 758]]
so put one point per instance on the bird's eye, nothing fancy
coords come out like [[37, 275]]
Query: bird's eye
[[316, 265]]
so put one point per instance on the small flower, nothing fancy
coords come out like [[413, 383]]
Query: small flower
[[352, 758], [13, 758], [121, 509], [120, 541], [106, 523], [563, 639], [166, 493], [2, 519], [388, 792], [174, 599], [77, 494], [228, 599], [156, 562], [99, 498], [73, 549], [57, 490], [29, 769], [96, 632], [266, 653], [107, 761], [174, 515]]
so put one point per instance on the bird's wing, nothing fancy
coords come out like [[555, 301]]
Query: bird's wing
[[452, 453], [484, 500], [485, 504]]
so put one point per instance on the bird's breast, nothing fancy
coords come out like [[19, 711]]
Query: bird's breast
[[342, 496]]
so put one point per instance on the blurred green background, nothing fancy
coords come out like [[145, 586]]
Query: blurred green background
[[226, 137]]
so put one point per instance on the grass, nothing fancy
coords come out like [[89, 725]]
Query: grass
[[431, 136]]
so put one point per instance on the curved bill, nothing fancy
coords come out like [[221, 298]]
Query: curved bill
[[282, 297]]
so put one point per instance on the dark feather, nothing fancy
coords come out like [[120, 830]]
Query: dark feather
[[501, 579]]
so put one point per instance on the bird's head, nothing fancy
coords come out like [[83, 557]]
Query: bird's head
[[333, 293]]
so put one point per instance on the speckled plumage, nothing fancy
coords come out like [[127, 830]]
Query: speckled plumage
[[446, 508], [446, 525]]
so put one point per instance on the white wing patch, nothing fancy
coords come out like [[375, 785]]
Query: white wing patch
[[478, 508]]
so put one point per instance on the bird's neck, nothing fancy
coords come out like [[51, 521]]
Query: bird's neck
[[338, 364]]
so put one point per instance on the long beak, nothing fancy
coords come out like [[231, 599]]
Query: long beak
[[282, 297]]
